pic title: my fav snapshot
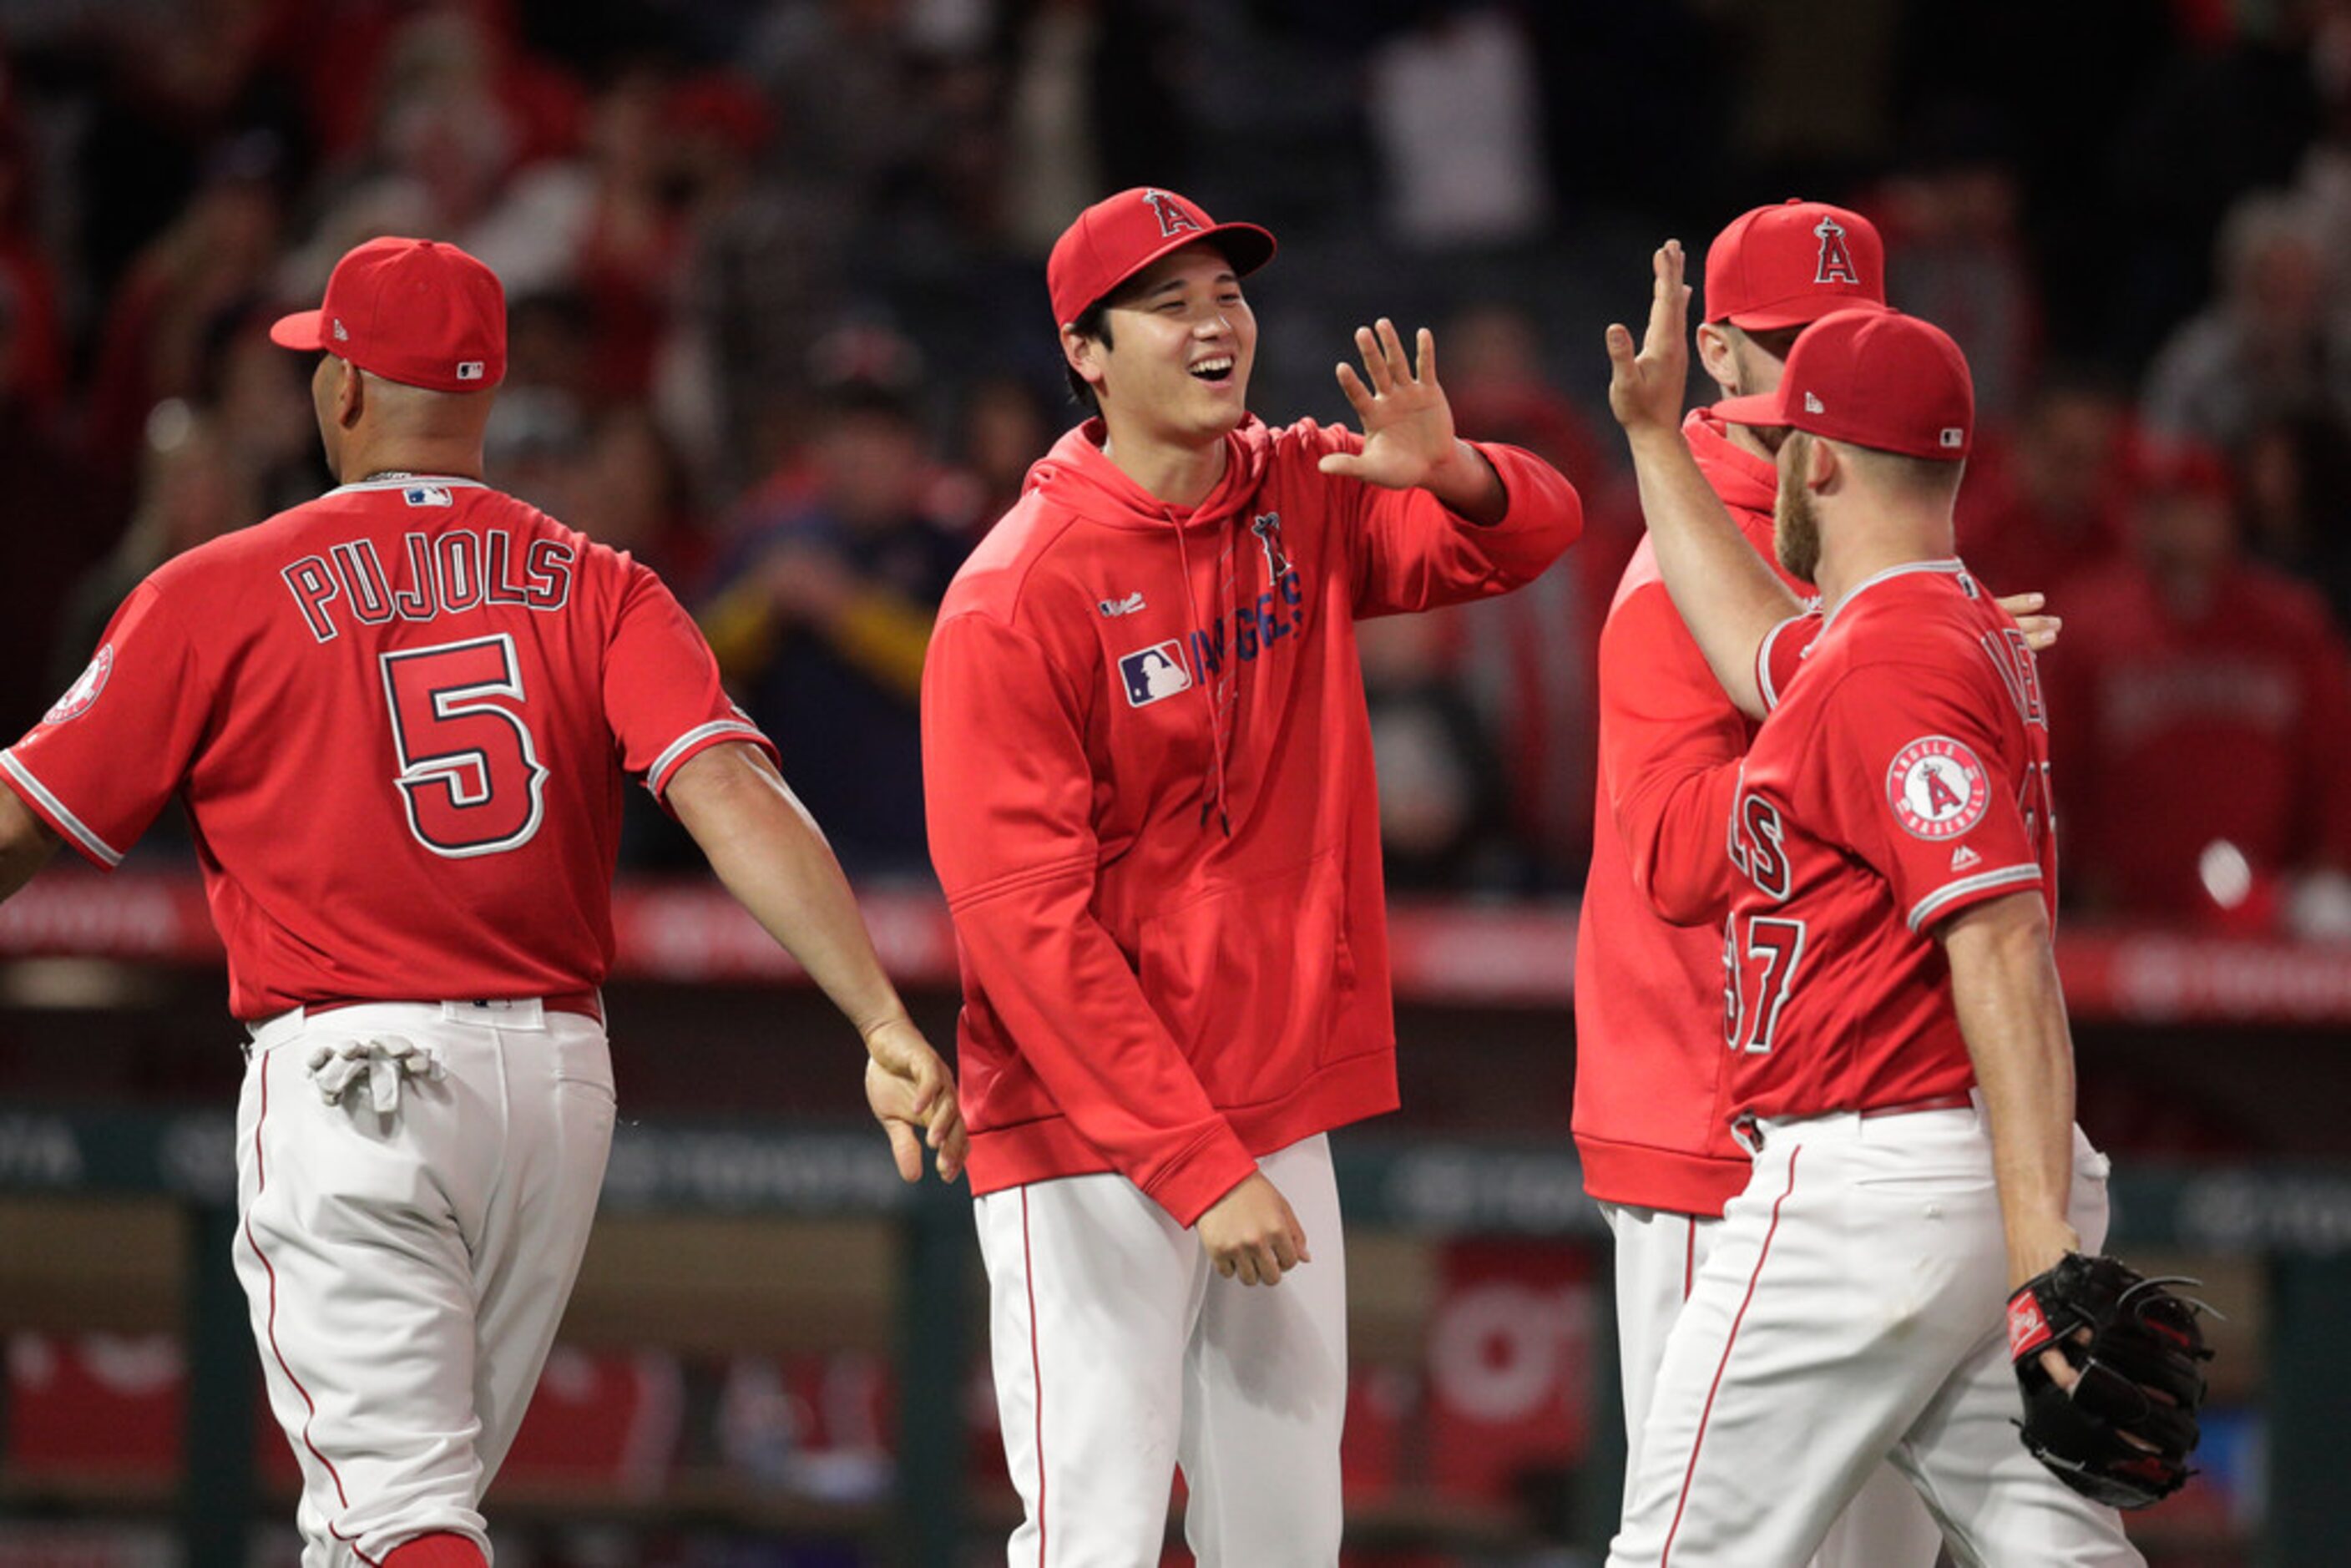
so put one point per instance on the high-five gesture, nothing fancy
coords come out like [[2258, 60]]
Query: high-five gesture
[[1407, 423], [912, 1093], [1646, 390]]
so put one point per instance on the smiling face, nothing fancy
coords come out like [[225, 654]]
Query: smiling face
[[1173, 366]]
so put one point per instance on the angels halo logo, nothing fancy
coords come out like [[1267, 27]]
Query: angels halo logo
[[1938, 788], [85, 689]]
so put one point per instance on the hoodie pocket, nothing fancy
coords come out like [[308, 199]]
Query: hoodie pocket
[[1252, 978]]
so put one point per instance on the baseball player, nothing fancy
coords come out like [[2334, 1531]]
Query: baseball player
[[399, 718], [1148, 767], [1901, 1070], [1651, 1071]]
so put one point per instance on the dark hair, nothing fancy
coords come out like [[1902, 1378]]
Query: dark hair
[[1093, 322]]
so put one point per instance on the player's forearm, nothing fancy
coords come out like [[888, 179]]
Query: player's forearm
[[768, 852], [27, 844], [1726, 593], [2012, 1014], [1469, 487]]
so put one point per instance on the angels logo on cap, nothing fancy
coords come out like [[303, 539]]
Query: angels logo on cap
[[1938, 788], [1836, 257]]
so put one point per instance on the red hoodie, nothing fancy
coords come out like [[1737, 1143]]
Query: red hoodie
[[1149, 776], [1650, 1066]]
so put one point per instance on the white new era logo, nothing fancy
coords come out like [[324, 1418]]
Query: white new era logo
[[340, 336], [1812, 404]]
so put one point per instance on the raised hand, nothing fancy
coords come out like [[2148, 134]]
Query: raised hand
[[913, 1095], [1646, 390], [1407, 423], [2040, 631]]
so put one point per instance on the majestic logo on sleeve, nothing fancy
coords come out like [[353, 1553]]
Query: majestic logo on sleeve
[[85, 689], [1155, 672], [1936, 787], [1173, 219], [1836, 259]]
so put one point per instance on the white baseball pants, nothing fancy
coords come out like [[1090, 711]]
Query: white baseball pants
[[1850, 1312], [406, 1268], [1119, 1353], [1659, 1255]]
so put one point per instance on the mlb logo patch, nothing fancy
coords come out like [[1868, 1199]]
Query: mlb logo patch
[[426, 495], [1155, 673], [469, 369]]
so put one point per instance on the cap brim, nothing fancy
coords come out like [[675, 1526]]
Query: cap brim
[[1759, 410], [299, 330], [1246, 246], [1798, 313]]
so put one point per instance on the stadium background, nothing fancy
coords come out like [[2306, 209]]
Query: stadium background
[[779, 326]]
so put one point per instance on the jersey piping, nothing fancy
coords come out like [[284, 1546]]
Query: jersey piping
[[657, 776], [1966, 887], [97, 848], [1949, 564]]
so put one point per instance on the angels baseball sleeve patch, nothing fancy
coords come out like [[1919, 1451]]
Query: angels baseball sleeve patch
[[85, 690], [1938, 788]]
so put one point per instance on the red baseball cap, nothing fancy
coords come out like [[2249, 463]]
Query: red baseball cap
[[1875, 377], [411, 310], [1120, 235], [1791, 265]]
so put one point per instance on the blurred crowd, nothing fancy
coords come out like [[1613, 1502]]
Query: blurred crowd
[[778, 327]]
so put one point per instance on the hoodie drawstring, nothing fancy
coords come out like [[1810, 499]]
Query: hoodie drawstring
[[1202, 642]]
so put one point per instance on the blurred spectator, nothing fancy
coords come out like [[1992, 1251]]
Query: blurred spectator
[[200, 270], [192, 489], [2275, 341], [60, 530], [1005, 428], [2043, 506], [1050, 103], [2202, 728], [1954, 255], [1442, 823], [258, 398], [36, 380], [611, 227], [1457, 111], [1526, 660], [766, 275], [536, 448], [2296, 470], [457, 107], [823, 619], [634, 494]]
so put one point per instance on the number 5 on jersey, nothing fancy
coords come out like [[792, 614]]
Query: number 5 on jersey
[[1759, 969], [469, 771]]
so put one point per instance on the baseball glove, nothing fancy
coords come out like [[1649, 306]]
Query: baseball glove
[[2122, 1435]]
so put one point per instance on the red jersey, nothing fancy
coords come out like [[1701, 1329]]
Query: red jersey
[[1902, 777], [399, 716], [2233, 725], [1651, 1124], [1148, 769]]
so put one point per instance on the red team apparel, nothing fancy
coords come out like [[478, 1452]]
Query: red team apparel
[[1152, 808], [1652, 1124], [1935, 774], [508, 670]]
